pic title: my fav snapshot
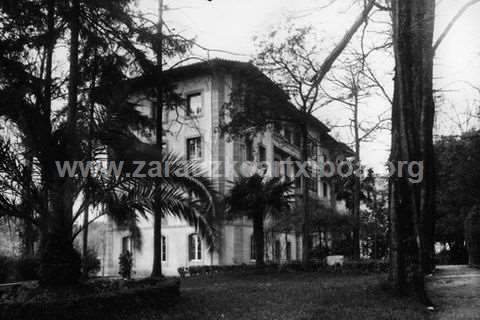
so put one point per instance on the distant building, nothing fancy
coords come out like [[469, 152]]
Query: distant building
[[206, 87]]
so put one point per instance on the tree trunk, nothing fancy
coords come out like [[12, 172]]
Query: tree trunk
[[412, 127], [28, 229], [356, 187], [157, 244], [47, 110], [91, 157], [258, 235], [60, 263], [305, 199], [157, 216]]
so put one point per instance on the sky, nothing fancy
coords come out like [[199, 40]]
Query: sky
[[231, 25]]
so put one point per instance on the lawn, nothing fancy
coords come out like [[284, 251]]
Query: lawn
[[290, 296]]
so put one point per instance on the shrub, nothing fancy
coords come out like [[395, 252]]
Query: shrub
[[319, 253], [136, 302], [91, 263], [27, 268], [472, 235], [60, 263], [126, 262], [366, 266], [6, 269]]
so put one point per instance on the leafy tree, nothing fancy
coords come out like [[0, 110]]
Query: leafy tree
[[30, 83], [456, 158], [413, 205], [472, 235], [295, 68], [258, 197]]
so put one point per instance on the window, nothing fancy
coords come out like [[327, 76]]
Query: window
[[277, 250], [166, 113], [312, 150], [289, 250], [194, 148], [277, 128], [325, 190], [298, 248], [248, 150], [262, 153], [286, 169], [297, 138], [164, 249], [194, 105], [194, 247], [312, 183], [253, 248], [296, 176], [126, 244], [288, 135]]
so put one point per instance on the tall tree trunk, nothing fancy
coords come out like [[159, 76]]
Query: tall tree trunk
[[91, 157], [412, 127], [45, 161], [157, 215], [356, 187], [60, 263], [258, 235], [28, 229], [306, 248], [157, 244]]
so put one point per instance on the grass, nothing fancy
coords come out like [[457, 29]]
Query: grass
[[290, 296]]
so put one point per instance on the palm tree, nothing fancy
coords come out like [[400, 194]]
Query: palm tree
[[257, 197], [185, 193], [189, 196]]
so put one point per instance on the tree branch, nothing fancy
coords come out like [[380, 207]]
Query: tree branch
[[452, 23]]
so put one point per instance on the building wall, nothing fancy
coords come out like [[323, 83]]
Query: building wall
[[219, 156]]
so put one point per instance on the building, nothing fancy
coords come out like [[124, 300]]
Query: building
[[194, 132]]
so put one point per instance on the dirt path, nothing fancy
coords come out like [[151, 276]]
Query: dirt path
[[455, 290]]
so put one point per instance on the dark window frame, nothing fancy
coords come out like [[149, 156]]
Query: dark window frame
[[188, 111], [188, 153]]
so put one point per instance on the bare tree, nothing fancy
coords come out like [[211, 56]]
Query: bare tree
[[352, 83], [297, 69]]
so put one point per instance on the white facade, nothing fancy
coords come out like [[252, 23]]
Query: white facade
[[207, 93]]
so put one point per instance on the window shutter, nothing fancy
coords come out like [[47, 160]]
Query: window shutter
[[164, 248], [199, 248], [191, 247]]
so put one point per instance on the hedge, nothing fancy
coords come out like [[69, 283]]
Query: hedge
[[13, 269], [349, 266], [133, 303], [472, 235]]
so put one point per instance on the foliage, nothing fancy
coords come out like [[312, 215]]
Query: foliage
[[115, 42], [258, 197], [16, 269], [456, 158], [95, 300], [472, 235], [59, 263], [320, 252], [126, 264], [91, 262], [6, 268], [27, 268]]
